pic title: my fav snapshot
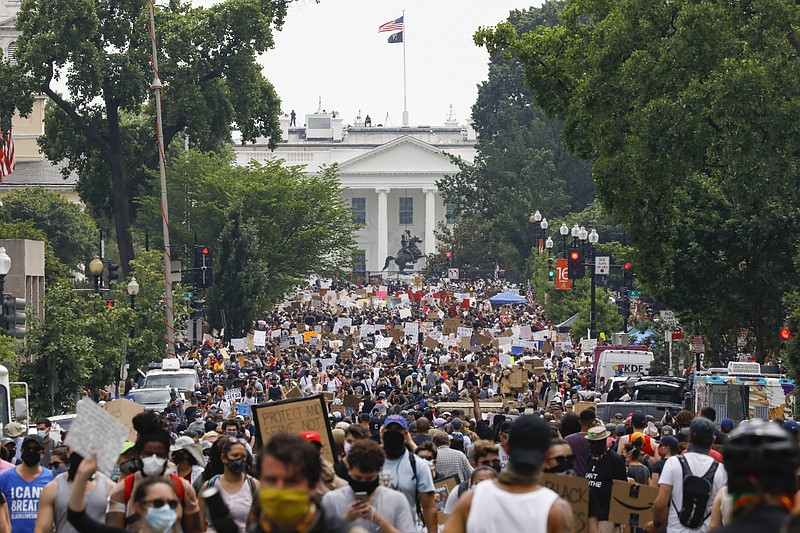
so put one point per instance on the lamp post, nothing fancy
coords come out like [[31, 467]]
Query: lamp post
[[593, 238], [535, 220], [96, 267], [564, 231], [5, 267], [133, 290]]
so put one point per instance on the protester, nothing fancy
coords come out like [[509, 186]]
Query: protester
[[22, 485], [238, 489], [578, 442], [516, 501], [604, 467], [187, 455], [450, 462]]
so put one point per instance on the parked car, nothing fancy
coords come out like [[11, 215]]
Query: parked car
[[153, 398]]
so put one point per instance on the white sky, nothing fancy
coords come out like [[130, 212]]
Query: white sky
[[333, 50]]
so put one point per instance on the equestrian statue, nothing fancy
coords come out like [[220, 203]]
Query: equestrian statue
[[408, 253]]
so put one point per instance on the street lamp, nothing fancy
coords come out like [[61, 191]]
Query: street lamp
[[564, 231], [133, 290], [5, 267], [593, 237], [96, 269]]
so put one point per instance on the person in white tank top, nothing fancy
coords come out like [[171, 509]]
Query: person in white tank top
[[516, 502]]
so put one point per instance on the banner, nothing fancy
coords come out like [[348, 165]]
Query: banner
[[295, 417]]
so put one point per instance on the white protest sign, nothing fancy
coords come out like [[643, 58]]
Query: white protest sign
[[276, 334], [366, 329], [96, 431], [505, 359], [464, 332], [327, 362], [233, 394], [405, 313], [382, 343], [588, 345], [260, 338], [342, 323], [239, 345], [412, 330]]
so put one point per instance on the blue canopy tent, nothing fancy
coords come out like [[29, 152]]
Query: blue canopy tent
[[507, 298]]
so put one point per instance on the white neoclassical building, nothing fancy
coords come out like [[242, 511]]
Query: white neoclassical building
[[388, 175]]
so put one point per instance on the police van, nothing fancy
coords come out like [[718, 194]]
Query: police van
[[173, 374]]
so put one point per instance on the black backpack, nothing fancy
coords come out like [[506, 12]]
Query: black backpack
[[696, 493]]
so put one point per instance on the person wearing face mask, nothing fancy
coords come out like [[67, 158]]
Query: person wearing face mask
[[187, 455], [43, 427], [233, 430], [560, 460], [238, 489], [482, 454], [198, 424], [23, 485], [155, 499], [58, 461], [127, 462], [414, 480], [55, 497], [363, 502], [352, 434], [603, 468], [152, 449]]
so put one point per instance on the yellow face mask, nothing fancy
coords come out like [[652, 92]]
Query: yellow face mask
[[284, 507]]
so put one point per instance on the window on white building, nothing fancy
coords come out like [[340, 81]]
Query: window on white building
[[11, 53], [406, 211], [451, 212], [359, 207], [359, 262]]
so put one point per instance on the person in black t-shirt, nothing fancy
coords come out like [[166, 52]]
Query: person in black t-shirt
[[604, 467], [667, 447]]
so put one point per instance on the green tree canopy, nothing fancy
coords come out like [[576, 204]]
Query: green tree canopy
[[69, 230], [103, 126], [521, 165], [689, 109]]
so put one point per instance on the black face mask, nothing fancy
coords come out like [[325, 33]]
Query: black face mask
[[31, 458], [74, 463], [598, 448], [364, 486], [237, 466], [131, 466], [394, 444], [564, 464], [178, 457]]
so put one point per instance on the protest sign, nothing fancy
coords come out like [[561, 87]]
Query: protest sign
[[441, 491], [412, 331], [381, 343], [576, 491], [294, 392], [430, 343], [294, 417], [239, 345], [123, 411], [260, 338], [353, 401], [450, 325], [464, 332], [232, 394], [405, 313], [582, 406], [96, 431], [631, 503], [243, 409]]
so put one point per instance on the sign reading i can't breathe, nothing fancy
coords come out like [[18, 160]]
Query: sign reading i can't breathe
[[295, 417]]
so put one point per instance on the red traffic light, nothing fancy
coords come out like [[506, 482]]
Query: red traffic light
[[110, 303], [574, 255], [448, 255], [204, 251], [627, 266], [786, 334]]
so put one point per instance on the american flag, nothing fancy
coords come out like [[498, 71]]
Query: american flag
[[392, 25], [529, 295], [7, 161]]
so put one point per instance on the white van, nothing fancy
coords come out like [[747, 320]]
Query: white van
[[621, 364]]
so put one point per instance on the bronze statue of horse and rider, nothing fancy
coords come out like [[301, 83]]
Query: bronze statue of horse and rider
[[409, 252]]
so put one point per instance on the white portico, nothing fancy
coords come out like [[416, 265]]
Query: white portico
[[388, 178]]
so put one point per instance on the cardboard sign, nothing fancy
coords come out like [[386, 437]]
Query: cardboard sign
[[294, 392], [294, 417], [441, 491], [353, 401], [582, 406], [576, 491], [450, 325], [631, 503], [259, 338], [430, 343], [124, 411]]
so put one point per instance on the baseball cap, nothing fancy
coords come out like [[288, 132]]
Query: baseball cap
[[456, 423], [33, 438], [528, 440], [439, 422], [396, 419], [702, 429], [670, 442], [637, 419], [727, 423], [375, 426], [667, 431], [312, 436]]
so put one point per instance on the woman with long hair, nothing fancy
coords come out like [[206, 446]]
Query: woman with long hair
[[237, 488]]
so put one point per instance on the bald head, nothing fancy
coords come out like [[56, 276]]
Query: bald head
[[423, 425]]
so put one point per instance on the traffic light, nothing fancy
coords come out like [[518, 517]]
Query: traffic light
[[109, 304], [627, 275], [786, 334], [551, 269], [575, 266], [113, 271], [448, 259], [203, 267], [14, 316]]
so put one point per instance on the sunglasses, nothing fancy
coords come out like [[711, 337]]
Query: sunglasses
[[158, 502], [56, 464]]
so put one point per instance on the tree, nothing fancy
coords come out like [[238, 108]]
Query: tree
[[103, 126], [270, 225], [68, 229], [688, 109], [521, 165]]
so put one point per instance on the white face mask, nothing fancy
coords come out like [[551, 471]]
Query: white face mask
[[153, 465], [347, 447]]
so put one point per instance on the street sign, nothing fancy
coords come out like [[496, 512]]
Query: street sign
[[633, 293], [563, 283], [698, 344], [601, 265], [452, 273]]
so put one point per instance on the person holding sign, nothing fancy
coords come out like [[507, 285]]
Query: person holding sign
[[516, 501]]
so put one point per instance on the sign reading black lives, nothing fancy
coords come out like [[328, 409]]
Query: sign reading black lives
[[295, 417]]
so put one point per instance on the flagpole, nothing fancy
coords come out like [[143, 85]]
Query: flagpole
[[405, 106]]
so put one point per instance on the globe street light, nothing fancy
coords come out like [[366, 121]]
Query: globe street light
[[5, 267], [593, 238], [564, 231], [133, 290], [96, 267]]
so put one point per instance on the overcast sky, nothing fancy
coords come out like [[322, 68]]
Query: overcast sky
[[333, 50]]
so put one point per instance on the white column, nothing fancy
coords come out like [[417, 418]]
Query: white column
[[430, 220], [383, 226]]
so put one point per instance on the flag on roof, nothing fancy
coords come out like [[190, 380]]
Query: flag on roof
[[392, 25], [7, 161], [396, 38]]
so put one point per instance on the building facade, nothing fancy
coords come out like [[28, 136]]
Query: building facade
[[388, 176]]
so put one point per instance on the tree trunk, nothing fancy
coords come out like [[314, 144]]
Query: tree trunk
[[119, 192]]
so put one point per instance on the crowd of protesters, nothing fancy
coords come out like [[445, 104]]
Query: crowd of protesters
[[398, 442]]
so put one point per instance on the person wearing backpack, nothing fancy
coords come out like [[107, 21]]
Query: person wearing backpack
[[237, 487], [688, 485]]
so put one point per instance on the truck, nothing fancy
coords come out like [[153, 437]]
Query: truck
[[744, 390], [171, 373], [620, 362]]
